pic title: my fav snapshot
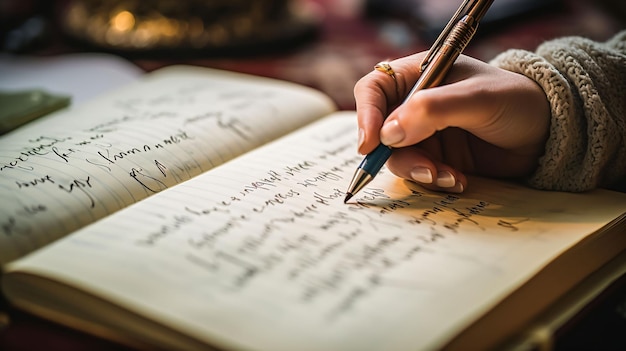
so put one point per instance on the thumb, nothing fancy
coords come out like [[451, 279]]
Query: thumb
[[430, 110]]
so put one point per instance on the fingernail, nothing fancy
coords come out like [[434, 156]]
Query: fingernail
[[457, 188], [422, 175], [391, 133], [445, 179], [361, 138]]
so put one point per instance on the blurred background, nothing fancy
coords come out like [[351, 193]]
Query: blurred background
[[326, 44]]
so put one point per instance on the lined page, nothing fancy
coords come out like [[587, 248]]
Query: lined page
[[262, 253], [74, 167]]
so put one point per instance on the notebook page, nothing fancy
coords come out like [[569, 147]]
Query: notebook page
[[71, 168], [262, 254]]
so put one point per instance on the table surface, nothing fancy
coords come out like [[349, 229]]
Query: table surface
[[347, 43]]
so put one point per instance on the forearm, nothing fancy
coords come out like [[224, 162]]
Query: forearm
[[585, 83]]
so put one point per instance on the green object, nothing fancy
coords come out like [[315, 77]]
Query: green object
[[20, 107]]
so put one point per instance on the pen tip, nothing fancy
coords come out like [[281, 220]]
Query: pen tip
[[348, 197]]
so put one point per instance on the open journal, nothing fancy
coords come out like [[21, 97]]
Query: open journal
[[201, 208]]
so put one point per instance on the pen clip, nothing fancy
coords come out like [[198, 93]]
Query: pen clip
[[460, 12]]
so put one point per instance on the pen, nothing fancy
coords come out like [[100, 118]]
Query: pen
[[440, 58]]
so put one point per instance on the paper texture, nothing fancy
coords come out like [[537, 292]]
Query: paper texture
[[71, 168], [261, 253]]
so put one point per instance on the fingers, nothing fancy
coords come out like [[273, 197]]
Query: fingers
[[464, 103], [482, 120], [377, 93], [414, 164], [503, 108], [429, 111]]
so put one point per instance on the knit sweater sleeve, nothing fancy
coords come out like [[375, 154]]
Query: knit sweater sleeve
[[585, 82]]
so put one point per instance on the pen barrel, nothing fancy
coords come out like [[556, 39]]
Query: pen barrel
[[377, 159], [461, 34], [456, 41]]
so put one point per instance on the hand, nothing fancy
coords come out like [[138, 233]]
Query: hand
[[482, 120]]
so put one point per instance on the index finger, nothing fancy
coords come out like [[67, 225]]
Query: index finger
[[377, 93]]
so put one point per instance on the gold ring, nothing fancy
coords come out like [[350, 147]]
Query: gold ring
[[385, 67]]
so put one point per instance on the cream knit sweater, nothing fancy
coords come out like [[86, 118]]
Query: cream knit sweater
[[585, 82]]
